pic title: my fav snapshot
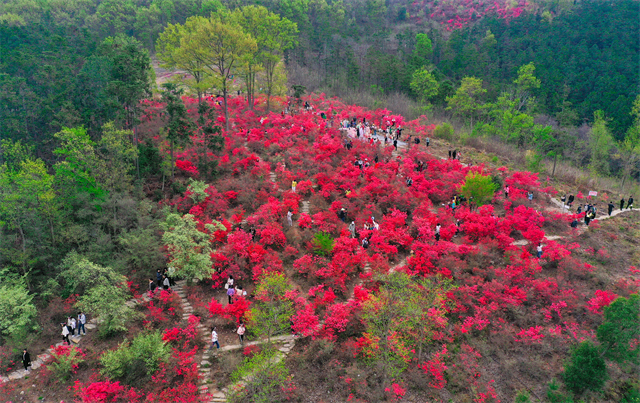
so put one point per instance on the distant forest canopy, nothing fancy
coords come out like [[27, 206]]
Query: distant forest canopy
[[53, 65]]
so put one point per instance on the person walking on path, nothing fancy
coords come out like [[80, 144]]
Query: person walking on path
[[395, 144], [214, 338], [570, 201], [293, 186], [166, 283], [82, 320], [539, 251], [506, 192], [65, 333], [352, 229], [427, 140], [630, 203], [438, 226], [152, 286], [26, 359], [240, 331], [610, 207], [230, 293], [159, 278], [71, 322], [621, 203], [289, 218]]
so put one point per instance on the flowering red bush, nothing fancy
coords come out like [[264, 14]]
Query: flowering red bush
[[489, 253]]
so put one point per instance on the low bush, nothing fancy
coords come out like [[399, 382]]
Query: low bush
[[65, 361], [135, 361]]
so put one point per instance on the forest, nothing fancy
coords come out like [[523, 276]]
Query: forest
[[375, 190]]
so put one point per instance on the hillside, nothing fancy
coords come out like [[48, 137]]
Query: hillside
[[468, 315]]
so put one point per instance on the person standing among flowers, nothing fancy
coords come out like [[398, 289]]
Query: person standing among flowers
[[241, 330]]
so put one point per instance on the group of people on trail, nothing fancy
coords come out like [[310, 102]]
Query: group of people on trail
[[240, 331], [72, 325], [163, 281], [590, 210], [234, 291], [454, 155]]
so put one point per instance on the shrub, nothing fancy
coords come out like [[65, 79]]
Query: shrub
[[443, 131], [265, 379], [478, 188], [108, 302], [65, 360], [17, 311], [135, 360], [585, 370], [322, 244]]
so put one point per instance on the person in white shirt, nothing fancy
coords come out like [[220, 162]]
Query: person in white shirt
[[71, 322], [82, 319], [289, 220], [539, 251], [65, 333], [214, 338]]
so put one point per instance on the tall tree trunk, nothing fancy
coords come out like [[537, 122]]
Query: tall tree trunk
[[226, 110], [555, 159], [173, 164]]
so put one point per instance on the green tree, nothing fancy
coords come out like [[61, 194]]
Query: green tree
[[272, 310], [28, 212], [526, 83], [178, 125], [108, 303], [221, 48], [130, 76], [630, 147], [18, 311], [116, 155], [263, 377], [478, 189], [424, 85], [586, 369], [147, 351], [621, 329], [402, 317], [189, 248], [600, 143], [422, 51], [177, 49], [467, 101], [273, 35], [79, 274]]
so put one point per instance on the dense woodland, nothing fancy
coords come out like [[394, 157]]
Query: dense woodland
[[109, 173]]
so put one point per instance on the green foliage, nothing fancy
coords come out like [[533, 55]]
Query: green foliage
[[424, 85], [632, 396], [322, 243], [129, 78], [189, 247], [444, 131], [467, 102], [600, 144], [422, 51], [18, 311], [554, 396], [620, 328], [400, 320], [272, 309], [478, 189], [63, 365], [108, 303], [523, 397], [79, 274], [263, 377], [586, 369], [124, 362], [197, 191]]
